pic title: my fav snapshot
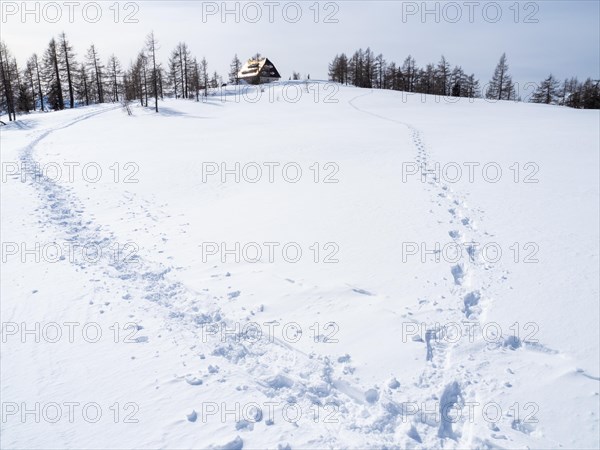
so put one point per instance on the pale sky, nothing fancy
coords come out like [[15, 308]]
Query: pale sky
[[559, 37]]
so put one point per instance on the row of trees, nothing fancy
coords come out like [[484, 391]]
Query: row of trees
[[59, 80], [56, 80], [364, 69], [187, 77], [571, 92]]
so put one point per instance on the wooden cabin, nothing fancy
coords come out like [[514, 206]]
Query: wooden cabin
[[258, 71]]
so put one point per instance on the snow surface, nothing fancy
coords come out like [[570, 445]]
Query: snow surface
[[361, 377]]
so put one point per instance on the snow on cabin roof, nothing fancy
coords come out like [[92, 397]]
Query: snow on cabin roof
[[253, 67]]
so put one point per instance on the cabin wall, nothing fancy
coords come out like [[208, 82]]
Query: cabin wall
[[251, 80]]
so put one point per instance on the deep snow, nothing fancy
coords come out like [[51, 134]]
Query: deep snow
[[378, 362]]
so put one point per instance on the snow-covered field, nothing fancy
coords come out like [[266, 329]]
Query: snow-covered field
[[279, 274]]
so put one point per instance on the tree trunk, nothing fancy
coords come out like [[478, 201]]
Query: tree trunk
[[61, 102], [115, 80], [32, 90], [145, 86], [5, 74], [154, 75], [39, 83], [85, 89], [67, 65], [183, 93]]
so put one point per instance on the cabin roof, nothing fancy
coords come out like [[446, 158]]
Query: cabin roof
[[254, 67]]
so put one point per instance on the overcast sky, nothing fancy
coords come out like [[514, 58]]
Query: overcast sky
[[562, 37]]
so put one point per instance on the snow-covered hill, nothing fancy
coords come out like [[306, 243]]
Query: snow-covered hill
[[260, 272]]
